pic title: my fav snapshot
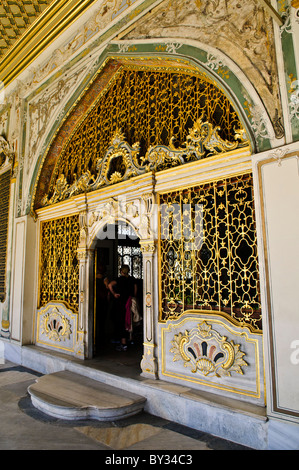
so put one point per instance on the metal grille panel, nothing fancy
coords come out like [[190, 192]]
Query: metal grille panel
[[59, 267], [208, 252]]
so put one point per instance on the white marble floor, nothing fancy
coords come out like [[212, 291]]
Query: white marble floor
[[23, 427]]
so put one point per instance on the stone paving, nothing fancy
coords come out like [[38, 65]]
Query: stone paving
[[23, 427]]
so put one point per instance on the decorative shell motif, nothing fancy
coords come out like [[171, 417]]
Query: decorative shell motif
[[207, 352], [56, 326]]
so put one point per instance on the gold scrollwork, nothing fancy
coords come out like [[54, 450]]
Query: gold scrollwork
[[121, 161], [203, 140], [207, 352]]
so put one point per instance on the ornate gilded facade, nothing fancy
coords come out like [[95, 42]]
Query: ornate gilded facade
[[145, 121], [179, 122]]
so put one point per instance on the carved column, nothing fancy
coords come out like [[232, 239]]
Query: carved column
[[84, 333], [148, 362], [85, 258]]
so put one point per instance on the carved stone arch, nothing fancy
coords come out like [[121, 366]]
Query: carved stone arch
[[118, 55], [134, 212], [99, 226], [92, 223]]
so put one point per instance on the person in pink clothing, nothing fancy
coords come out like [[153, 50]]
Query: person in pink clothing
[[122, 289]]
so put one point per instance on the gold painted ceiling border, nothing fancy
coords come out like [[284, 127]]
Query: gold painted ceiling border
[[43, 31]]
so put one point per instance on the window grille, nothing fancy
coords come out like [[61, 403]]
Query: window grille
[[208, 251], [4, 214]]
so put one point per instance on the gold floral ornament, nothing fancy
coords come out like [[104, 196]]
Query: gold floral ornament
[[119, 162], [207, 352], [122, 161], [56, 326], [202, 141]]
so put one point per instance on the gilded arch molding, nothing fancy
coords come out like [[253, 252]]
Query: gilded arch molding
[[187, 57]]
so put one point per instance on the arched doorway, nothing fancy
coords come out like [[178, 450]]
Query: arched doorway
[[117, 245], [97, 167]]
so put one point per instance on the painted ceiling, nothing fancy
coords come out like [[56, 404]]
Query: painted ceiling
[[28, 26], [16, 16]]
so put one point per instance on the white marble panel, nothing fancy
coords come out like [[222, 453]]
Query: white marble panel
[[280, 180], [56, 327], [208, 352]]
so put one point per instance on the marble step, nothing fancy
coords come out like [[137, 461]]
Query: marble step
[[67, 395]]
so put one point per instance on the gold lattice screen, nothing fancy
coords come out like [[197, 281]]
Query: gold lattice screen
[[4, 213], [59, 267], [208, 252], [150, 107]]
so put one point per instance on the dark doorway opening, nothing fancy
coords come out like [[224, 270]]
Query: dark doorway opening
[[117, 245]]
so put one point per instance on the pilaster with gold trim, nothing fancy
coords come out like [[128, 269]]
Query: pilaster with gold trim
[[85, 258], [148, 363], [83, 345]]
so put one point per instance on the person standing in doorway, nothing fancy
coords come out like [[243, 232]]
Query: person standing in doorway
[[122, 290], [102, 296]]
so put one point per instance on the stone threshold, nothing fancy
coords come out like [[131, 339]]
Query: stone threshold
[[68, 395], [91, 369], [227, 418]]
